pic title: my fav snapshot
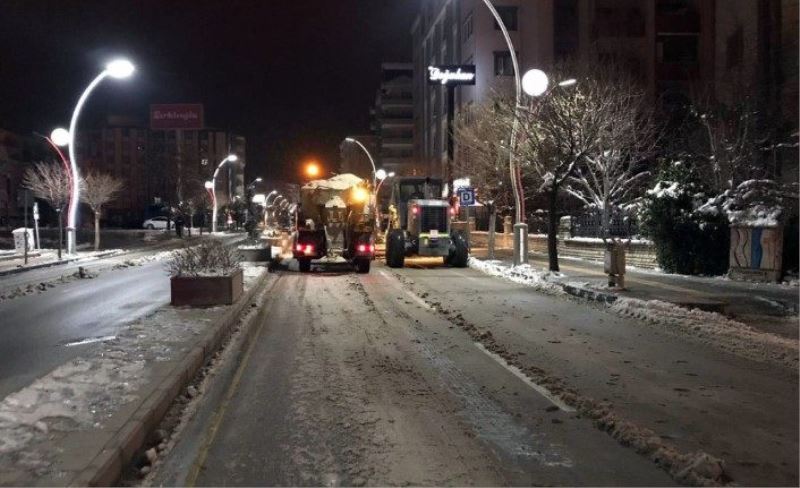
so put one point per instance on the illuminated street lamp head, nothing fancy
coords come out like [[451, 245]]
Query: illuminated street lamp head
[[209, 185], [381, 174], [313, 170], [568, 82], [360, 195], [120, 68], [232, 158], [535, 82], [60, 137], [349, 139], [392, 174], [259, 179]]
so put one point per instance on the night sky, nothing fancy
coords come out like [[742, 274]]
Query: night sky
[[293, 76]]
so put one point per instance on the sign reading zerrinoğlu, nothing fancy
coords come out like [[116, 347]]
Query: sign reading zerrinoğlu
[[451, 75], [176, 116]]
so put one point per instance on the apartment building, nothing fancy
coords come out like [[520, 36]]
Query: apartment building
[[160, 167], [393, 119], [678, 48]]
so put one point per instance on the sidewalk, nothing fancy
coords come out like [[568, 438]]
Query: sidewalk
[[771, 308], [82, 423]]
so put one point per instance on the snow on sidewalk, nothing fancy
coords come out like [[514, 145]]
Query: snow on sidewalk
[[713, 328], [705, 327], [85, 393]]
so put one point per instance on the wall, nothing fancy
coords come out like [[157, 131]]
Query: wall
[[641, 254]]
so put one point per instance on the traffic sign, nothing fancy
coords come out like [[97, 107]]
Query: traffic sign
[[466, 196]]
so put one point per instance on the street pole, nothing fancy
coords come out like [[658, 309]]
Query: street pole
[[520, 227], [232, 158], [451, 114], [37, 243], [26, 226], [371, 161], [119, 68]]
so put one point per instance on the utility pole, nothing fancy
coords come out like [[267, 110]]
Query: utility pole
[[25, 195]]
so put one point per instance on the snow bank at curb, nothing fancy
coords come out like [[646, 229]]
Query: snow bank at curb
[[524, 274], [714, 329], [708, 328]]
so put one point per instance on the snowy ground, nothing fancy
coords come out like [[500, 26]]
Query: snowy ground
[[707, 327], [84, 394]]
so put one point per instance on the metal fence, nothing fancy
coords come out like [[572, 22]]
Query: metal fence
[[590, 225]]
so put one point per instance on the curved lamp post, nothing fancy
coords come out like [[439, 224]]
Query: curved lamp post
[[119, 69], [371, 161], [231, 158]]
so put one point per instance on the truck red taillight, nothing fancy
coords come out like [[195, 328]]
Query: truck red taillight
[[304, 248], [415, 210], [365, 248]]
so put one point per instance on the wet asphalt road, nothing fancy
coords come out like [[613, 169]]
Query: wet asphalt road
[[36, 329]]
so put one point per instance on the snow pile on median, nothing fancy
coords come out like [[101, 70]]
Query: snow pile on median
[[524, 274], [714, 329]]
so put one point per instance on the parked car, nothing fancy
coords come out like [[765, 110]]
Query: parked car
[[155, 223]]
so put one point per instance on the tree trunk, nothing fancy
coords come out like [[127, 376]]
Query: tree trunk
[[605, 225], [552, 230], [492, 225], [97, 230]]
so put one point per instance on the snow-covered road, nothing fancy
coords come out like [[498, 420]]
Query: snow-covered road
[[442, 376]]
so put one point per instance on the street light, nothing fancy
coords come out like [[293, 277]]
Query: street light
[[371, 161], [312, 169], [119, 69], [535, 82], [232, 158]]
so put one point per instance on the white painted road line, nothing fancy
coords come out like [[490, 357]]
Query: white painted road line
[[519, 374]]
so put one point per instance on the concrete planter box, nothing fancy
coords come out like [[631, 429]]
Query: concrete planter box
[[206, 291], [255, 255]]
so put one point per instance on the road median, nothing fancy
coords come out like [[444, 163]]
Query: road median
[[87, 419]]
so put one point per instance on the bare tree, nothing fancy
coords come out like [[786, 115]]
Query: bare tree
[[483, 156], [615, 167], [51, 183], [732, 143], [100, 188]]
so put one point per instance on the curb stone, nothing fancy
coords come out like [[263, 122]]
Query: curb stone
[[594, 295], [106, 468], [55, 263]]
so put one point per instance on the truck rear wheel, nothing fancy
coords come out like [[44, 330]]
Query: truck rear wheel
[[460, 253], [305, 265], [396, 249], [363, 265]]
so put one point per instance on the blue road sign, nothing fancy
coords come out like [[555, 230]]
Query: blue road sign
[[466, 196]]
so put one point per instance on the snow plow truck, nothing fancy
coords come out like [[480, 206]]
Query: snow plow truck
[[420, 224], [335, 224]]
